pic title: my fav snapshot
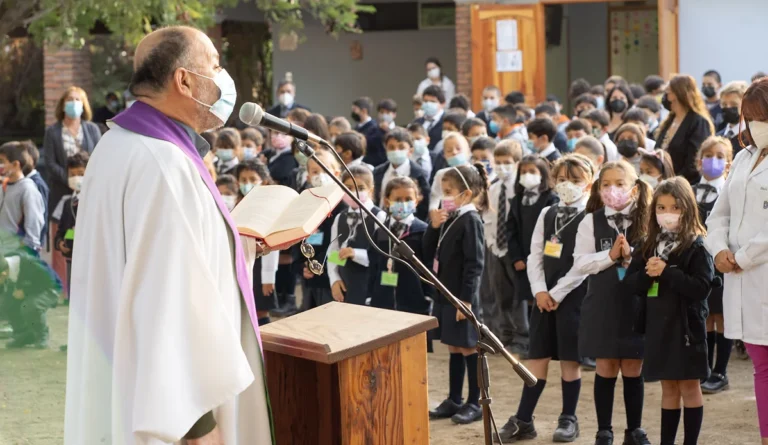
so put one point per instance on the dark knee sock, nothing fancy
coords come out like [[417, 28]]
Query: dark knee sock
[[670, 419], [604, 390], [456, 368], [724, 346], [529, 400], [571, 392], [692, 418], [633, 401], [263, 320], [474, 390], [711, 340]]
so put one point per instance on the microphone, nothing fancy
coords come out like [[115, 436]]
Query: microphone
[[252, 114]]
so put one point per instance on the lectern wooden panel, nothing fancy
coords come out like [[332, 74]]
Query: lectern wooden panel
[[347, 374]]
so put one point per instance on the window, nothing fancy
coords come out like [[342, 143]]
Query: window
[[438, 15]]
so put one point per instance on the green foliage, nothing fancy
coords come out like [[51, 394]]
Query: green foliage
[[68, 22]]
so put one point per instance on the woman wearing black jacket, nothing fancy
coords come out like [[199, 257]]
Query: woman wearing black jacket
[[686, 126]]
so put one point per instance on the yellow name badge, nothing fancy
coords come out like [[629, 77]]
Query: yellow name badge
[[389, 279], [553, 249], [653, 291], [334, 258]]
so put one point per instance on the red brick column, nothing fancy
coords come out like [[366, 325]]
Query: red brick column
[[62, 68], [464, 49]]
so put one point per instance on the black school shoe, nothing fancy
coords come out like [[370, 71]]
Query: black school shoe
[[515, 429], [715, 384], [604, 437], [636, 437], [468, 413], [588, 364], [445, 410], [567, 429]]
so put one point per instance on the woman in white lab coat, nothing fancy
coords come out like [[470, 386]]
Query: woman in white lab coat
[[738, 239]]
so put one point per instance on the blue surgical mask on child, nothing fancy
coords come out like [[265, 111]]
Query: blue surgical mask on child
[[249, 153], [420, 147], [457, 160], [572, 144], [430, 108], [247, 187], [403, 209], [397, 157], [494, 127], [225, 154]]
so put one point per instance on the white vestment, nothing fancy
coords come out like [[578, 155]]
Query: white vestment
[[158, 332]]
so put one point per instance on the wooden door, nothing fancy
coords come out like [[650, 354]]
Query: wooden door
[[669, 58], [531, 43]]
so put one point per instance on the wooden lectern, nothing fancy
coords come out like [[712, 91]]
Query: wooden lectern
[[346, 374]]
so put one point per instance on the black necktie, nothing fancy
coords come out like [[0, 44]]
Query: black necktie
[[729, 134], [502, 236], [398, 228], [707, 190], [564, 214], [670, 239], [528, 197], [618, 220]]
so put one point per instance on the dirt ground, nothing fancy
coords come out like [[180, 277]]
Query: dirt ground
[[32, 400]]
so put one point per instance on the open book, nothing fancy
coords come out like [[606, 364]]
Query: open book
[[278, 215]]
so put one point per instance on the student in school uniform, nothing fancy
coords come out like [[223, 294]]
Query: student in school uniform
[[575, 130], [386, 112], [366, 125], [533, 192], [674, 272], [456, 152], [559, 290], [508, 124], [583, 104], [452, 122], [618, 101], [421, 155], [590, 147], [393, 285], [482, 152], [253, 144], [600, 120], [282, 163], [228, 150], [508, 315], [348, 259], [540, 135], [710, 89], [715, 157], [730, 103], [548, 111], [317, 288], [350, 145], [399, 144], [491, 101], [252, 174], [454, 240], [433, 102], [336, 126], [641, 118], [630, 141], [617, 220], [656, 166], [229, 189]]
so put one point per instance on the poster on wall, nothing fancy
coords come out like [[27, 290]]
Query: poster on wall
[[634, 43], [509, 61], [506, 35]]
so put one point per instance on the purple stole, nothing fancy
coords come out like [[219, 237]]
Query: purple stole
[[147, 121]]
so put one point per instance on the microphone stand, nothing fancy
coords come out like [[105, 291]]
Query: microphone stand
[[487, 343]]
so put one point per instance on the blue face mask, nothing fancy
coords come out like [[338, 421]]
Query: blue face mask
[[420, 147], [223, 107], [494, 127], [402, 210], [457, 160], [245, 188], [430, 108], [530, 145], [73, 109], [572, 143], [397, 157], [249, 153], [487, 164], [225, 154]]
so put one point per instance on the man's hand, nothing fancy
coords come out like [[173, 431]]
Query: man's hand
[[212, 438], [520, 265], [338, 289], [725, 261], [347, 253], [267, 289], [437, 217]]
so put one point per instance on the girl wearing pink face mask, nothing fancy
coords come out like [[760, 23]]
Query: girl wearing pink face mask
[[617, 220], [348, 252], [674, 273]]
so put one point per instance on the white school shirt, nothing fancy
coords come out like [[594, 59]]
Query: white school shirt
[[717, 183], [585, 257], [738, 223], [269, 265], [548, 151], [359, 161], [535, 264], [491, 216], [403, 170], [650, 144], [361, 255], [611, 152], [733, 128], [424, 161]]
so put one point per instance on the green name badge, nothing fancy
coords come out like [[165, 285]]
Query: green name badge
[[334, 258], [69, 235], [389, 279], [653, 291]]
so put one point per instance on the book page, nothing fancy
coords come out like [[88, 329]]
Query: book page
[[309, 209], [260, 208]]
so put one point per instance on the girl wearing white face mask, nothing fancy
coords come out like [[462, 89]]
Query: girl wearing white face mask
[[435, 76], [674, 272], [738, 238]]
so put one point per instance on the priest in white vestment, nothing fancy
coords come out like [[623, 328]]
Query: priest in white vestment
[[163, 344]]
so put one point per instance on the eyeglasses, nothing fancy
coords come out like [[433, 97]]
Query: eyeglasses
[[308, 251]]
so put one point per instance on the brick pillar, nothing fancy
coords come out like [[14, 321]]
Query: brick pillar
[[464, 50], [62, 68]]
